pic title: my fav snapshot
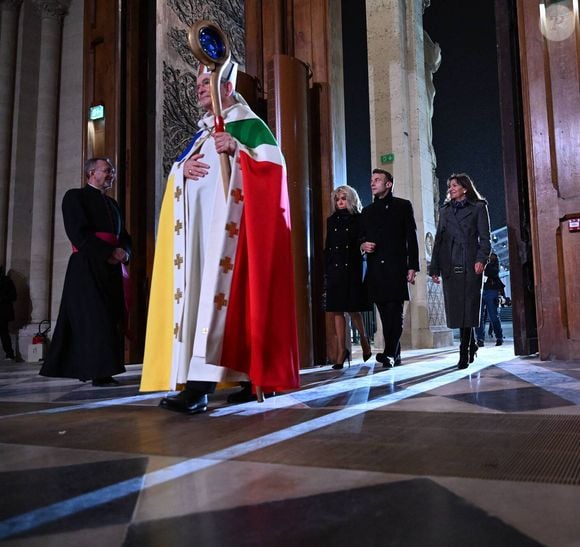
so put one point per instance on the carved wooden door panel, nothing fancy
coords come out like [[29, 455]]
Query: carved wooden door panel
[[117, 51], [549, 39], [102, 80]]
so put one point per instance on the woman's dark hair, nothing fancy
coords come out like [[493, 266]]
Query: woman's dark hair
[[465, 181]]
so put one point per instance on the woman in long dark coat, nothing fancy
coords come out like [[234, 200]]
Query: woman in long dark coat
[[344, 270], [462, 248]]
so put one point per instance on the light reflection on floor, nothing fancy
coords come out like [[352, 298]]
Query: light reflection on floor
[[258, 438]]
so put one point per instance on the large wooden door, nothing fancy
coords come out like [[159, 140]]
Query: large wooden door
[[117, 53], [549, 44]]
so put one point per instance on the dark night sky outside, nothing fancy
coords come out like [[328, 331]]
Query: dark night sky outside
[[466, 120]]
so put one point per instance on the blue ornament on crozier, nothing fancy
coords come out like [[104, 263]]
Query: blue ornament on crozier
[[211, 43]]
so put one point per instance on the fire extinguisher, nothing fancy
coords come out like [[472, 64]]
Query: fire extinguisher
[[40, 336]]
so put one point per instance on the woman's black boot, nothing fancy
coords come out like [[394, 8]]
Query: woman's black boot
[[473, 347], [465, 338]]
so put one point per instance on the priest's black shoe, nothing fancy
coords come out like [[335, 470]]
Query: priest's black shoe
[[106, 382], [186, 402]]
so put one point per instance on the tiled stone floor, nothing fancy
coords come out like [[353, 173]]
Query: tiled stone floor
[[419, 455]]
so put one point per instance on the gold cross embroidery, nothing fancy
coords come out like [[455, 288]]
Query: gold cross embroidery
[[178, 193], [178, 226], [232, 229], [176, 330], [226, 264], [220, 300], [178, 261], [237, 195], [178, 295]]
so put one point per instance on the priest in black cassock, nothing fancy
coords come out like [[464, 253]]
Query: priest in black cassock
[[88, 337]]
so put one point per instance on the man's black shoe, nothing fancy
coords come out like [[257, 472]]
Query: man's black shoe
[[186, 402], [106, 382], [499, 342], [388, 362]]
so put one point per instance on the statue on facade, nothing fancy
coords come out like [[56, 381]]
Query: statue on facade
[[432, 63]]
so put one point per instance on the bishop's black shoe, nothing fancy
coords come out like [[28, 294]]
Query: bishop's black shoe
[[187, 402], [245, 395]]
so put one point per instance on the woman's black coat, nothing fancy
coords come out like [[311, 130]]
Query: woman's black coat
[[462, 239], [389, 222], [344, 264]]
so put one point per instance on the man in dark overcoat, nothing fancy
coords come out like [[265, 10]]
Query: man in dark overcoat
[[88, 338], [389, 239]]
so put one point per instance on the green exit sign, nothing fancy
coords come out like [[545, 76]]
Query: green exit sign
[[97, 112], [387, 158]]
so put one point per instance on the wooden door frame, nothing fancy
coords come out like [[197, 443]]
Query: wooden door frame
[[516, 180]]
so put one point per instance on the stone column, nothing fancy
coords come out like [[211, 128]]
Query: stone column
[[52, 14], [399, 125], [71, 122], [8, 38]]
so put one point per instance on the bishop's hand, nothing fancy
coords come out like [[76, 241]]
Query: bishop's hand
[[225, 143], [194, 168]]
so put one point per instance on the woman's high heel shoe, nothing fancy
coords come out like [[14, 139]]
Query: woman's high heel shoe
[[368, 354], [345, 356]]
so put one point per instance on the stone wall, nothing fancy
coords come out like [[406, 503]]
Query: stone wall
[[42, 116], [400, 124]]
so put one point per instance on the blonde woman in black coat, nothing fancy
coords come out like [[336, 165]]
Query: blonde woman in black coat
[[461, 251], [344, 270]]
